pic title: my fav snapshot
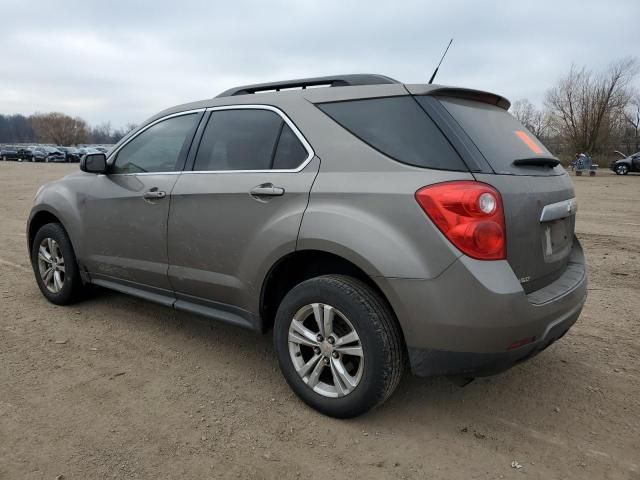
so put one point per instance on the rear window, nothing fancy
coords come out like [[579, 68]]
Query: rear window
[[399, 128], [499, 136]]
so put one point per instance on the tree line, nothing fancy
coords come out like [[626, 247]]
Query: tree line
[[57, 128], [586, 111]]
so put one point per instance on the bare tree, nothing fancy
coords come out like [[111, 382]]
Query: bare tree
[[59, 128], [535, 120], [632, 118], [584, 106], [102, 133], [129, 127]]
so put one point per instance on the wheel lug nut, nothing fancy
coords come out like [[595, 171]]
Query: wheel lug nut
[[326, 360], [335, 354], [316, 350], [331, 340], [319, 338]]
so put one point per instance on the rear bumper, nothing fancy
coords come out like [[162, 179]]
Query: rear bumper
[[465, 320], [427, 363]]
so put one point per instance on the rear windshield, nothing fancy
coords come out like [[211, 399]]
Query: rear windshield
[[499, 136], [399, 128]]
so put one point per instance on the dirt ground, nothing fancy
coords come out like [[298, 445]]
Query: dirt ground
[[119, 388]]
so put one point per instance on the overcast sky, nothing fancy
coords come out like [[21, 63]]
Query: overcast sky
[[122, 61]]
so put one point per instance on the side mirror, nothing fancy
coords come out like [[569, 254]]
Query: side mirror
[[94, 163]]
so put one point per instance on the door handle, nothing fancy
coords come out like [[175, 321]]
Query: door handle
[[153, 194], [266, 190]]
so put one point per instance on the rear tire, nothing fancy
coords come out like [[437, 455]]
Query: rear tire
[[55, 266], [359, 364]]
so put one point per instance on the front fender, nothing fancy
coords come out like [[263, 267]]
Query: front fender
[[59, 200]]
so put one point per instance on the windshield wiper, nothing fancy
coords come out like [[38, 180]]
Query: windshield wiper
[[537, 162]]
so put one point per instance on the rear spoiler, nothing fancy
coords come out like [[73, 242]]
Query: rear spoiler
[[466, 93]]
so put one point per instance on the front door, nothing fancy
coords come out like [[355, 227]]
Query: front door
[[239, 209], [126, 211]]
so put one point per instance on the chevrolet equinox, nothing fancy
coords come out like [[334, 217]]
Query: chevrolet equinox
[[370, 224]]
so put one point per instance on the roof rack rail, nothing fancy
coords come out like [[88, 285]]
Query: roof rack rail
[[303, 83]]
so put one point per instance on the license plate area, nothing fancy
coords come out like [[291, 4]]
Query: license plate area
[[557, 238]]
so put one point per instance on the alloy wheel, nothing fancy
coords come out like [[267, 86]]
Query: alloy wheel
[[326, 350], [51, 265]]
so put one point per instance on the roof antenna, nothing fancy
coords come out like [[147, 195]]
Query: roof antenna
[[435, 72]]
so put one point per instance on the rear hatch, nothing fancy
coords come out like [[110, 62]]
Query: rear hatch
[[537, 194]]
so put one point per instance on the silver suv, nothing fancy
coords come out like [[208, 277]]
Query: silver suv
[[369, 223]]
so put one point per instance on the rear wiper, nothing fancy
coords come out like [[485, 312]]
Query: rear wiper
[[537, 162]]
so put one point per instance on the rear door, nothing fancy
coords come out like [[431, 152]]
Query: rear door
[[538, 197], [240, 207]]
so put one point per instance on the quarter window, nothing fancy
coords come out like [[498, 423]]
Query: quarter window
[[159, 148], [399, 128], [290, 152]]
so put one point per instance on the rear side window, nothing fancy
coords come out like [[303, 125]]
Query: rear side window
[[243, 139], [399, 128], [499, 136]]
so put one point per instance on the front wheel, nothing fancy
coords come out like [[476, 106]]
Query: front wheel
[[339, 345], [622, 169], [54, 264]]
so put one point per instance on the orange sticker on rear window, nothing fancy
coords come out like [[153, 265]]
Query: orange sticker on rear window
[[528, 141]]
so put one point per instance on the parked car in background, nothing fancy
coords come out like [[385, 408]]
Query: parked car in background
[[25, 154], [47, 154], [86, 150], [38, 154], [72, 154], [75, 155], [54, 155], [9, 152], [630, 163], [436, 230]]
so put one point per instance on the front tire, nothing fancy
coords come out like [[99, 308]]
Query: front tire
[[622, 169], [339, 346], [54, 265]]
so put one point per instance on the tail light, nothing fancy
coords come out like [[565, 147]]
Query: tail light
[[469, 214]]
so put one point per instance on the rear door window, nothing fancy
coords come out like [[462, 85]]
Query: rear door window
[[243, 139], [399, 128], [499, 136], [248, 139]]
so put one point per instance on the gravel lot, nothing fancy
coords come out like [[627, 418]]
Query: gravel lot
[[119, 388]]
